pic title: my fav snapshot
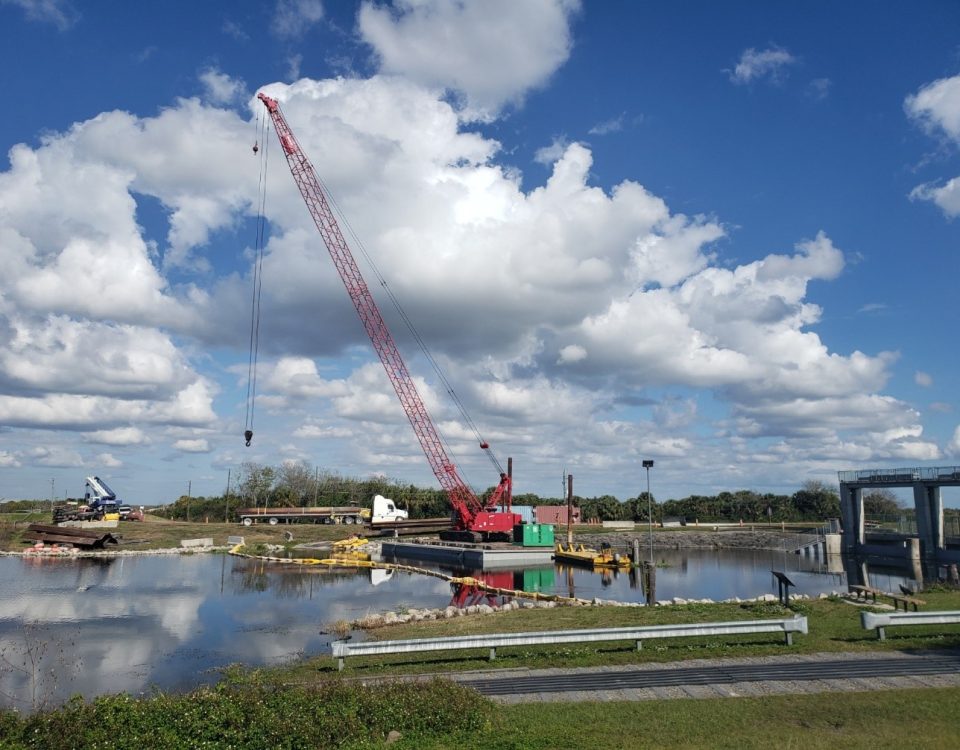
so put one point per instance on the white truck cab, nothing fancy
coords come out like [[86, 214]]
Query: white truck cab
[[385, 510]]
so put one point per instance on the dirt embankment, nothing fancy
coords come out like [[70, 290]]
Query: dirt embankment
[[687, 539]]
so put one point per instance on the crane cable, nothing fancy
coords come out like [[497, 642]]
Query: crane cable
[[448, 386], [263, 127]]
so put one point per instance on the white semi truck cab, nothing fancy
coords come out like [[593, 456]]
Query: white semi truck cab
[[385, 510]]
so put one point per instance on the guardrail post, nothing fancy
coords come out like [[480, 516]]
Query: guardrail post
[[639, 645], [340, 664], [789, 636], [783, 587], [493, 653], [871, 620]]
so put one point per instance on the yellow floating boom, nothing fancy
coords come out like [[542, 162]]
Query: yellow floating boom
[[346, 562]]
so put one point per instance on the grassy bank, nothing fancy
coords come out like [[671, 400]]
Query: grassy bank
[[158, 533], [886, 719], [240, 715], [834, 626], [439, 714]]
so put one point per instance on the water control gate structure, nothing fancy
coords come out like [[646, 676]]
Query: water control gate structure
[[930, 542]]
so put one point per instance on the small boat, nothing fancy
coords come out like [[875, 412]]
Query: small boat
[[605, 557]]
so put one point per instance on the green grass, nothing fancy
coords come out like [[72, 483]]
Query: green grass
[[248, 713], [833, 624], [25, 517], [158, 533], [883, 719], [241, 713]]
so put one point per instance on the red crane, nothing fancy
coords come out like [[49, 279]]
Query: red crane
[[474, 518]]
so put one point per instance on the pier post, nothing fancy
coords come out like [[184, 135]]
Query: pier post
[[851, 511], [929, 509]]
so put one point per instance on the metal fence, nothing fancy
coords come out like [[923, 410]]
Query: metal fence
[[906, 524], [918, 474]]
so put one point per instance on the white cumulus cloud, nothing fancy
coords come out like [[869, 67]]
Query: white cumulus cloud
[[754, 65], [222, 89], [492, 52], [953, 447], [118, 436], [9, 460], [292, 19], [108, 460], [579, 323], [945, 195], [922, 379], [936, 108], [572, 353], [60, 13], [199, 445]]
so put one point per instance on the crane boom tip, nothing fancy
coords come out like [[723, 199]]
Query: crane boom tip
[[269, 102]]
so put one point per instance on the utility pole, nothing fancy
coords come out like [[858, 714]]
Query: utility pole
[[569, 510], [650, 575], [648, 464], [189, 488], [53, 493], [226, 500]]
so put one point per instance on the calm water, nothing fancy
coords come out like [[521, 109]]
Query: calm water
[[128, 624]]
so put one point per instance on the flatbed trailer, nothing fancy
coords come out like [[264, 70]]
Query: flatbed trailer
[[273, 516], [98, 512]]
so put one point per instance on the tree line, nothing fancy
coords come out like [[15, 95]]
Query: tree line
[[300, 485]]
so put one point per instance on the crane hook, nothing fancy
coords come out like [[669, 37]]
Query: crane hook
[[256, 147], [248, 436]]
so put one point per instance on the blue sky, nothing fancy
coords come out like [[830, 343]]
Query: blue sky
[[722, 236]]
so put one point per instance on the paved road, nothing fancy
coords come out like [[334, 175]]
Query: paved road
[[713, 678]]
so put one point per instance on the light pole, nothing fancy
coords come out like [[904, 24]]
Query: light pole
[[648, 464]]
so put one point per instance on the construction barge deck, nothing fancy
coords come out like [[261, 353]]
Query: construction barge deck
[[489, 556]]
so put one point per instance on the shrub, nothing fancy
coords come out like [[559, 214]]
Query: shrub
[[246, 713]]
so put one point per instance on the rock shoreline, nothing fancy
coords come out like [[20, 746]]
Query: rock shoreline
[[69, 553], [723, 538], [372, 621]]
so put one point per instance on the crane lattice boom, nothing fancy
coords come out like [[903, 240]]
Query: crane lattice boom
[[471, 512]]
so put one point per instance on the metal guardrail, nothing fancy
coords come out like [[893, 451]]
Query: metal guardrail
[[801, 541], [879, 621], [918, 474], [342, 649]]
